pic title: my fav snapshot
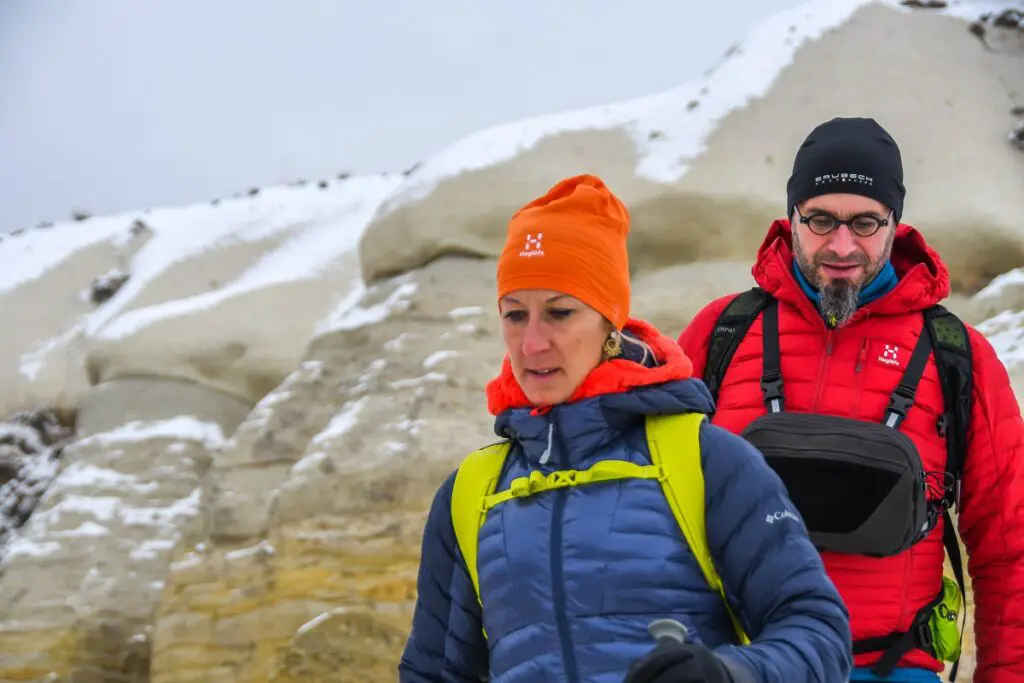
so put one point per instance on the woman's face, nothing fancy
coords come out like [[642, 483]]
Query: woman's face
[[553, 341]]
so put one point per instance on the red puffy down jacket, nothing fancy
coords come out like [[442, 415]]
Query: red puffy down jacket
[[851, 372]]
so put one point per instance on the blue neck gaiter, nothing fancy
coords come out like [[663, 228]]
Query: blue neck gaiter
[[881, 284]]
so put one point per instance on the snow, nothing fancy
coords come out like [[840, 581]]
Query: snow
[[1005, 332], [410, 425], [319, 619], [100, 508], [261, 548], [438, 357], [331, 224], [413, 382], [350, 314], [26, 547], [344, 420], [263, 411], [32, 253], [183, 427], [310, 228], [398, 343], [668, 128], [464, 311], [20, 433], [87, 528], [32, 362], [970, 10], [101, 514], [152, 548], [367, 380], [165, 516], [998, 286], [88, 501], [82, 475]]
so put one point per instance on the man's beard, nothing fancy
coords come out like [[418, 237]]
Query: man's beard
[[838, 299]]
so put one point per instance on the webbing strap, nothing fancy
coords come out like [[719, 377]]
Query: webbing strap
[[771, 372], [730, 328], [919, 635], [536, 482], [901, 400], [953, 550], [895, 645]]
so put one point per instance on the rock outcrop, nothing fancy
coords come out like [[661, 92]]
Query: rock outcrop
[[318, 501], [125, 297], [80, 582], [703, 180]]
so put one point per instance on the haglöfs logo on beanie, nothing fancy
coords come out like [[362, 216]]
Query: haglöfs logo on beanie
[[533, 246]]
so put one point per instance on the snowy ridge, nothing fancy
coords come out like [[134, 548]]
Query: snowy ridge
[[321, 225], [302, 231], [668, 128]]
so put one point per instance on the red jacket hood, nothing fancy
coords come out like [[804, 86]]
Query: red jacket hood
[[924, 279], [610, 377]]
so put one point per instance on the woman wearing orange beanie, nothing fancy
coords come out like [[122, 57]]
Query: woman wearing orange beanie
[[612, 508]]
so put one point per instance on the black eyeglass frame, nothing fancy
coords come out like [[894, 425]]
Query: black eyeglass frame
[[836, 222]]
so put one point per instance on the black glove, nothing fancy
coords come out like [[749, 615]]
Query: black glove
[[675, 662]]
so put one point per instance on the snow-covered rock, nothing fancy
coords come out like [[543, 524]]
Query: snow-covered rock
[[127, 296], [31, 444], [703, 167]]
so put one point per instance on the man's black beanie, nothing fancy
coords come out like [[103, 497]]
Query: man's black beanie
[[851, 156]]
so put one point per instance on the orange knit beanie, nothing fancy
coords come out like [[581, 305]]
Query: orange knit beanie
[[572, 240]]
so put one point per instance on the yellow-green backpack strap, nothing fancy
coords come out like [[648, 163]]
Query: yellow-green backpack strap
[[674, 443], [475, 480]]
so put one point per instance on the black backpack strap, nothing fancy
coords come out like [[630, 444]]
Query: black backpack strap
[[954, 362], [949, 540], [895, 645], [731, 327], [901, 400], [945, 336], [919, 635], [771, 362]]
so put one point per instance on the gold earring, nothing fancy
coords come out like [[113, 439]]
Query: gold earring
[[612, 346]]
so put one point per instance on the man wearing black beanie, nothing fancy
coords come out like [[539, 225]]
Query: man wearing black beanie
[[853, 169], [843, 369]]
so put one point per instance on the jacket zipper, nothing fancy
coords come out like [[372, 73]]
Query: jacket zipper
[[556, 551], [826, 358], [858, 383]]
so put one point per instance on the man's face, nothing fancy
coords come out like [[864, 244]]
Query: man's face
[[838, 260]]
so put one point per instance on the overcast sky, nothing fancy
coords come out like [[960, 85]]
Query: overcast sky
[[110, 105]]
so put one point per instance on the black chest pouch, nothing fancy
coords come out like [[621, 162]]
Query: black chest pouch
[[859, 486]]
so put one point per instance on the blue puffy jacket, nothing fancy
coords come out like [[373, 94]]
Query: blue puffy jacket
[[571, 578]]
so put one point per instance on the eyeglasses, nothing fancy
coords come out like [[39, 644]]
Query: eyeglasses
[[862, 225]]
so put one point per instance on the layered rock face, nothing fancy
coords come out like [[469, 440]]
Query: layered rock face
[[262, 420], [319, 498]]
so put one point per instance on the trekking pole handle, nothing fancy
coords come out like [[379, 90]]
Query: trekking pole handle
[[668, 630]]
